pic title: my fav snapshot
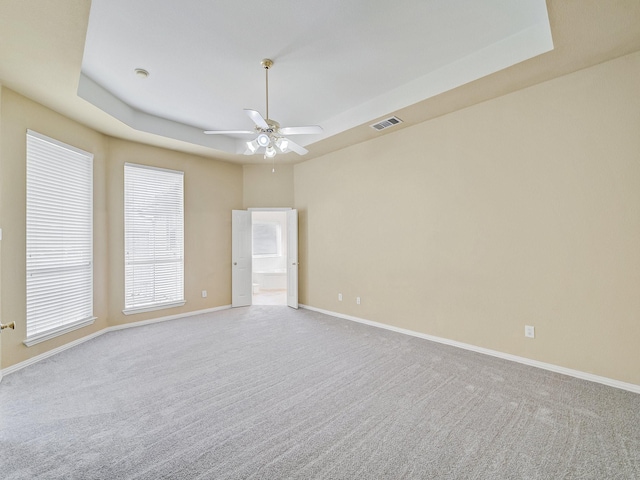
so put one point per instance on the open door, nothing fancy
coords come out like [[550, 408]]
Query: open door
[[292, 258], [240, 258], [1, 306]]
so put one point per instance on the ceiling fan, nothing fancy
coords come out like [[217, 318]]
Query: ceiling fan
[[271, 136]]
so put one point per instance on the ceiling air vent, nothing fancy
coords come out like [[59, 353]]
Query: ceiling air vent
[[389, 122]]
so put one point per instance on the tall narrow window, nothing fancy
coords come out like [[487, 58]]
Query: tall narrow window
[[59, 238], [153, 237]]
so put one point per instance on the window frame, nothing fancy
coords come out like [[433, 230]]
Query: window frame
[[277, 233], [69, 239], [134, 260]]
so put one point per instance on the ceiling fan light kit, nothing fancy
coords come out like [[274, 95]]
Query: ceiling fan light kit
[[271, 136], [263, 140], [282, 143], [270, 152], [252, 147]]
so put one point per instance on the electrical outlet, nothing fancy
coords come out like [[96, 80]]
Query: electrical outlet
[[529, 331], [204, 294], [358, 300], [339, 297]]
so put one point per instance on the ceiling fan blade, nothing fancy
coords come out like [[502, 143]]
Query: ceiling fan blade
[[294, 147], [257, 118], [229, 132], [308, 129]]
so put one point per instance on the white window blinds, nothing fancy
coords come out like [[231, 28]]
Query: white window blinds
[[59, 238], [154, 238]]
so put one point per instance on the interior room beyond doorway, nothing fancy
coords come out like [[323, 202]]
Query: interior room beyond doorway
[[269, 257]]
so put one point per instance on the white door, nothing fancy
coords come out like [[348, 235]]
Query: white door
[[0, 319], [240, 258], [292, 258]]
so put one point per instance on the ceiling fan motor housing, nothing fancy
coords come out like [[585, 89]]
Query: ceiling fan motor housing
[[273, 126]]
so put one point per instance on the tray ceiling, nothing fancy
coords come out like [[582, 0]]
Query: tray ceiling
[[343, 65], [337, 64]]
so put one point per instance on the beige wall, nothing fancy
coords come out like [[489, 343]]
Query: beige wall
[[524, 210], [18, 114], [521, 210], [264, 188], [212, 190]]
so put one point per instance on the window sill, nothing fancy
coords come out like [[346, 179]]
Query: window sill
[[151, 308], [48, 335]]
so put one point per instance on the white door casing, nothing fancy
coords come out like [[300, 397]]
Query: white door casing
[[241, 281]]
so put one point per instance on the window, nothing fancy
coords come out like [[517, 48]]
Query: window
[[59, 238], [267, 239], [154, 238]]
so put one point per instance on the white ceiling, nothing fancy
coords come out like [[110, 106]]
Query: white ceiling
[[338, 64], [342, 65]]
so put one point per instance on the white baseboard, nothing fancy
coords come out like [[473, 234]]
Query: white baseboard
[[494, 353], [66, 346], [50, 353], [164, 319]]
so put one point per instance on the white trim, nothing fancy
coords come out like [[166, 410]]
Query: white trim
[[267, 209], [66, 346], [151, 308], [42, 356], [494, 353], [48, 335], [506, 356], [167, 318]]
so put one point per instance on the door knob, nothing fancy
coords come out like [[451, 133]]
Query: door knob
[[235, 263], [11, 325]]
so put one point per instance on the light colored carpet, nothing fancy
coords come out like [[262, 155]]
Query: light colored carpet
[[270, 393]]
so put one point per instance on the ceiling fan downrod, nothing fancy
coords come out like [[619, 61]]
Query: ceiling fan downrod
[[267, 63]]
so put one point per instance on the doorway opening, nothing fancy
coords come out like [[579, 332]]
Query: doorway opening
[[269, 257]]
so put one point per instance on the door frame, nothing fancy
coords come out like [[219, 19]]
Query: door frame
[[292, 299]]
